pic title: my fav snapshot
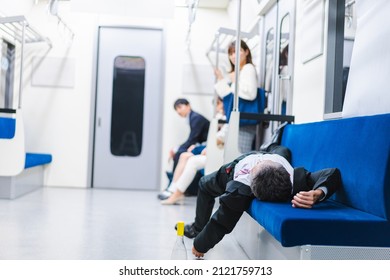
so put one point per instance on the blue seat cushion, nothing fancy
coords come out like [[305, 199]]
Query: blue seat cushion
[[198, 149], [7, 128], [37, 159], [328, 223]]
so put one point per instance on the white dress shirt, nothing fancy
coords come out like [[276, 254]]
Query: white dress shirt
[[242, 170]]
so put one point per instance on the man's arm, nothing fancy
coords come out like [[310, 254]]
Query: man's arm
[[232, 205], [324, 184]]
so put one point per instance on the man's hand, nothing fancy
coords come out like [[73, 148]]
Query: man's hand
[[307, 199], [171, 154], [218, 74], [196, 253], [232, 76]]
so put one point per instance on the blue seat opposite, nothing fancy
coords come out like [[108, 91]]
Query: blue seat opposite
[[37, 159], [7, 128]]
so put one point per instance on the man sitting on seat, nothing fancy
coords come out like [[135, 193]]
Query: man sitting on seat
[[267, 176], [199, 129]]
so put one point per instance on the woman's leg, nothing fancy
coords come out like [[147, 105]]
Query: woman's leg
[[181, 165], [194, 164], [179, 169]]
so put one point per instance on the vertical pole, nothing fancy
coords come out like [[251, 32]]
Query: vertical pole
[[237, 62], [21, 65], [217, 35], [231, 144]]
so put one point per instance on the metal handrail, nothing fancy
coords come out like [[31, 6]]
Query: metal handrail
[[225, 32], [267, 117], [237, 62]]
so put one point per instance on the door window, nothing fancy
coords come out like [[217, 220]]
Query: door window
[[284, 77], [127, 106], [269, 60]]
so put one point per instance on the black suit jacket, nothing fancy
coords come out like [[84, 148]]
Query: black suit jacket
[[238, 196], [199, 127]]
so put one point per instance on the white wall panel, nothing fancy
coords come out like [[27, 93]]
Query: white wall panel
[[53, 72], [309, 77], [367, 89]]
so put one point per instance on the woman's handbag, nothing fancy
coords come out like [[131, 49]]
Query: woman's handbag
[[255, 106]]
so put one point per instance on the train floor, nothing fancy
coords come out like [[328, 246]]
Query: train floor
[[97, 224]]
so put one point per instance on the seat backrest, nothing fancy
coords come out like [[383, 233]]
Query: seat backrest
[[214, 152], [7, 128], [359, 147], [12, 149]]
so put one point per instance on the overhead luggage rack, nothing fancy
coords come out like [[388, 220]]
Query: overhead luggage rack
[[224, 36], [18, 28]]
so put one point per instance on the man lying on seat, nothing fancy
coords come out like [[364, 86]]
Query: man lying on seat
[[265, 175]]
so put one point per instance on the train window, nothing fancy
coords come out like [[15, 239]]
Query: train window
[[349, 39], [7, 64], [284, 77], [127, 106], [340, 43]]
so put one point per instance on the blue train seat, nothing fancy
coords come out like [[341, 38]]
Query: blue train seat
[[358, 214], [17, 175]]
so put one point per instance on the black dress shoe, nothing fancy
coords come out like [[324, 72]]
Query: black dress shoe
[[164, 195], [189, 230]]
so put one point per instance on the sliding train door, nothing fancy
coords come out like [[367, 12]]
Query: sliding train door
[[129, 95]]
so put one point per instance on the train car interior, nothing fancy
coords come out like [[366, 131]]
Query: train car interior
[[89, 131]]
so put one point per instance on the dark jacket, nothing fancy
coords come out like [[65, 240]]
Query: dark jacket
[[238, 196], [199, 126]]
